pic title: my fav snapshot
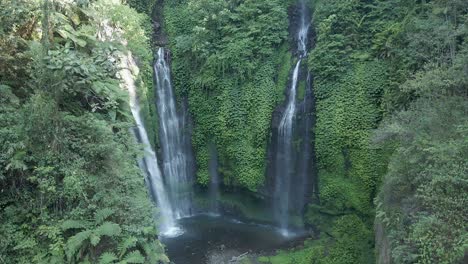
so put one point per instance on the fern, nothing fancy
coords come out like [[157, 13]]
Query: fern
[[108, 229], [107, 257], [125, 245], [134, 257], [95, 239], [102, 215], [75, 242], [155, 252], [74, 224]]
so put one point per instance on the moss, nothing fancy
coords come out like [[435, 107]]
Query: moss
[[232, 85], [310, 252], [301, 90], [284, 68]]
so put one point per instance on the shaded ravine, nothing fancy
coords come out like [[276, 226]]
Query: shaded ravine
[[174, 148]]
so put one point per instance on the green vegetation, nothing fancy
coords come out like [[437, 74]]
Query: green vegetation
[[422, 205], [70, 190], [403, 62], [391, 88], [226, 55]]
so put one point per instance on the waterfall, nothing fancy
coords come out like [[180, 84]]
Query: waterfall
[[284, 156], [284, 161], [149, 163], [175, 151], [303, 31], [214, 180]]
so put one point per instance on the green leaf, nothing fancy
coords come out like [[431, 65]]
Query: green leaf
[[95, 239], [75, 242], [102, 215], [107, 257], [134, 257], [74, 224], [108, 229], [128, 243]]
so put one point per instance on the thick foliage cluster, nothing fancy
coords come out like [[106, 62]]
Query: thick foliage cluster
[[70, 190], [422, 206], [225, 58], [371, 60]]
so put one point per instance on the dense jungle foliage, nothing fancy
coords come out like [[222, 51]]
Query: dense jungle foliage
[[391, 131], [397, 65], [226, 55], [70, 188], [400, 66]]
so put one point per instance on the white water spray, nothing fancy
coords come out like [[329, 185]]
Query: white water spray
[[149, 163], [175, 150]]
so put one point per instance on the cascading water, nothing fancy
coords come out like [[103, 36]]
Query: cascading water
[[303, 31], [284, 167], [149, 163], [214, 180], [175, 152]]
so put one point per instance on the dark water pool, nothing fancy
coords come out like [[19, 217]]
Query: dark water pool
[[216, 240]]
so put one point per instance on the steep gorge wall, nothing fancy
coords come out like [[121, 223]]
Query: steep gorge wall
[[234, 79], [225, 59]]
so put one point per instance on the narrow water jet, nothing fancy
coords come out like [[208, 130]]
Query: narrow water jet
[[285, 163], [175, 152], [284, 157], [149, 162], [214, 180]]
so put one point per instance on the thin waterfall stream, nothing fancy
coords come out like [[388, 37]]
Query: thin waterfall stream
[[175, 150], [284, 168], [149, 163], [284, 157]]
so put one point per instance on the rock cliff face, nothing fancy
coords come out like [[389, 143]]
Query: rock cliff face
[[159, 36]]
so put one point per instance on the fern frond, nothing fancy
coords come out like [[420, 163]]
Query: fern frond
[[74, 224], [134, 257], [108, 229], [128, 243], [75, 242], [155, 252], [107, 257], [95, 239], [102, 215]]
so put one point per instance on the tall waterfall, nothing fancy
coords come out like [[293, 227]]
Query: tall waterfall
[[175, 150], [284, 162], [149, 163]]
